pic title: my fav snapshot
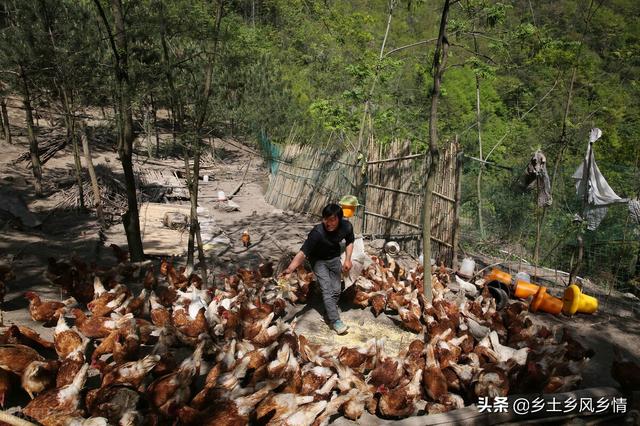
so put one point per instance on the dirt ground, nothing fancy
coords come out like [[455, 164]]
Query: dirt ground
[[273, 232]]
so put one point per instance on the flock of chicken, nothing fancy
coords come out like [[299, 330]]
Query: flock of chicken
[[244, 363]]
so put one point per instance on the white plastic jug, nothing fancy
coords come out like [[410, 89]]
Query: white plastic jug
[[467, 268]]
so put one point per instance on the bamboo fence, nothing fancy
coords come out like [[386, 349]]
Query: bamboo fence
[[308, 178], [393, 196]]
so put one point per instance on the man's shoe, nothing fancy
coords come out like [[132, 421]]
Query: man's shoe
[[340, 327]]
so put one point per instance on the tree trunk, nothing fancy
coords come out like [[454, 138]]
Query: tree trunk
[[479, 182], [69, 121], [6, 128], [201, 115], [154, 112], [97, 199], [78, 166], [361, 152], [176, 103], [33, 142], [194, 228], [439, 60], [130, 218]]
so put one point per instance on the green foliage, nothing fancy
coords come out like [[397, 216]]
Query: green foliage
[[314, 65]]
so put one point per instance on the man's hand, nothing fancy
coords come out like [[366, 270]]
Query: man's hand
[[346, 266]]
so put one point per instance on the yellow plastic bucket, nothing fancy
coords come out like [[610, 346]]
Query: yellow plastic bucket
[[348, 204], [347, 210], [545, 302], [576, 301], [524, 290]]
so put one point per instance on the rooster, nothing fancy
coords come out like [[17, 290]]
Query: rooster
[[246, 238]]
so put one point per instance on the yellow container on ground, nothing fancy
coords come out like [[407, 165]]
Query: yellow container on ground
[[545, 302], [576, 301]]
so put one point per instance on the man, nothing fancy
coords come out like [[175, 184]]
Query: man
[[322, 248]]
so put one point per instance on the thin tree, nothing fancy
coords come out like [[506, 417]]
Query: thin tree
[[439, 61], [119, 47], [201, 115], [36, 167], [6, 129]]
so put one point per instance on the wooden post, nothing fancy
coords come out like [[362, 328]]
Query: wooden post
[[97, 200], [455, 237]]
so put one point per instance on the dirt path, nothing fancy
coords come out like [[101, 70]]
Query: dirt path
[[66, 233]]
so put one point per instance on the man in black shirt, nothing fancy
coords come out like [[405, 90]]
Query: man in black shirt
[[322, 248]]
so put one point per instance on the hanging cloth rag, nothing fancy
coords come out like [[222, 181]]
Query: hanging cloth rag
[[599, 193], [537, 172], [634, 211]]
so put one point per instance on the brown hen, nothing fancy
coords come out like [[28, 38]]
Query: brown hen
[[434, 381], [39, 376], [44, 310], [66, 340], [61, 401], [16, 358]]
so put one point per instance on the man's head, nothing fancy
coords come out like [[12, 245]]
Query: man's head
[[331, 216]]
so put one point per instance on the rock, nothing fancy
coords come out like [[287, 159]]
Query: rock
[[226, 206], [175, 220], [376, 244]]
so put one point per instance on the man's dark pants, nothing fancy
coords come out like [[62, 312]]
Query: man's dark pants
[[328, 274]]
